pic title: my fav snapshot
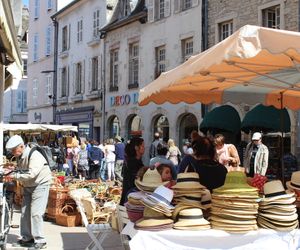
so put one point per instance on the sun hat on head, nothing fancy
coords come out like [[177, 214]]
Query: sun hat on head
[[274, 190], [118, 138], [294, 183], [256, 136], [13, 142]]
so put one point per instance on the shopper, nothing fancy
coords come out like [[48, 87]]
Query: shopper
[[211, 173], [35, 179], [134, 150], [256, 156], [120, 156], [83, 163], [95, 156], [174, 153], [227, 154], [153, 147], [110, 158]]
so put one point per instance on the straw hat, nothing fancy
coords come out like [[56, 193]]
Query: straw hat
[[189, 180], [236, 182], [191, 217], [152, 218], [274, 190], [151, 180], [181, 206], [162, 195], [294, 183]]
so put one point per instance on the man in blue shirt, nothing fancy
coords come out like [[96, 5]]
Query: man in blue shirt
[[120, 156]]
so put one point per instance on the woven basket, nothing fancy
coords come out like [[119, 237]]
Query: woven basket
[[68, 217]]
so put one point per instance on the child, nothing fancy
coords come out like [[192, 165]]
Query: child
[[166, 174], [66, 167]]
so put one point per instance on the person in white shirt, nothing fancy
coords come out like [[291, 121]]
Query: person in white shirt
[[110, 158]]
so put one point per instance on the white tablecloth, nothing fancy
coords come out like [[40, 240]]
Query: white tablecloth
[[262, 239]]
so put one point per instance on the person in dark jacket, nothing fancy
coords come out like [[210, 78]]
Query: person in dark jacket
[[95, 156], [153, 146], [211, 173], [120, 156], [134, 151]]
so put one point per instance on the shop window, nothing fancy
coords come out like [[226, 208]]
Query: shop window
[[134, 127], [187, 124], [161, 125]]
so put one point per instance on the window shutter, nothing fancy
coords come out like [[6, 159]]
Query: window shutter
[[74, 79], [167, 8], [69, 37], [151, 11], [99, 72], [83, 77], [19, 101], [176, 6], [60, 84], [24, 95], [68, 82], [90, 74], [195, 3]]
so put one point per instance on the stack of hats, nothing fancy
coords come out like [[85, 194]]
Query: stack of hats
[[294, 185], [134, 206], [277, 210], [160, 200], [151, 180], [153, 221], [188, 189], [234, 205]]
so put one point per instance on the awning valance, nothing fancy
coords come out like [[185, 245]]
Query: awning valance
[[266, 119], [224, 118]]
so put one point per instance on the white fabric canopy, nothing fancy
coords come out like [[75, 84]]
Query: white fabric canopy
[[38, 127]]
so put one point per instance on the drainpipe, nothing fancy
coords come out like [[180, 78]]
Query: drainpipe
[[55, 23]]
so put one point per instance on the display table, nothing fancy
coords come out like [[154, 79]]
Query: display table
[[262, 239]]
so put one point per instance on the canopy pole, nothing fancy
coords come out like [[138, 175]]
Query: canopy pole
[[281, 141]]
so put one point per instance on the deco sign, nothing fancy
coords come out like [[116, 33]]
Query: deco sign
[[121, 100]]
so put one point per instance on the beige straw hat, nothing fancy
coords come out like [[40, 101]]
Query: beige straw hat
[[151, 180], [294, 183], [274, 190], [191, 217]]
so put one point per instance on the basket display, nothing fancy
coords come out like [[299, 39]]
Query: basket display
[[68, 217], [57, 199]]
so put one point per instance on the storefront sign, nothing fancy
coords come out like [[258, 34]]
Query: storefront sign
[[121, 100]]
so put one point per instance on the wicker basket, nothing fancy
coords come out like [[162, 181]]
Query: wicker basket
[[57, 199], [68, 217]]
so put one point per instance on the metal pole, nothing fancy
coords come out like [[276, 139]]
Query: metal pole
[[55, 69], [281, 141], [2, 83]]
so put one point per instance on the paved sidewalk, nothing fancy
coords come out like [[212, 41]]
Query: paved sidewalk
[[67, 238]]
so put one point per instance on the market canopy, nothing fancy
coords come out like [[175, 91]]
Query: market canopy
[[222, 118], [266, 119], [38, 127], [253, 65]]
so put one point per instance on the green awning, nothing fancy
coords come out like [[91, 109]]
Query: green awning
[[266, 119], [223, 118]]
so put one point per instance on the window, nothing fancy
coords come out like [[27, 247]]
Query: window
[[96, 23], [79, 31], [64, 82], [95, 73], [133, 65], [225, 29], [187, 48], [49, 4], [78, 79], [48, 87], [161, 9], [35, 47], [48, 41], [114, 69], [271, 17], [186, 4], [36, 9], [160, 58], [65, 38], [34, 92], [25, 67], [21, 101]]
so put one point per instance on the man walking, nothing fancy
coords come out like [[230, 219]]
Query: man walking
[[35, 179], [120, 156], [153, 147]]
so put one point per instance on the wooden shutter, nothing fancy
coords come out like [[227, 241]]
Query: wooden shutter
[[151, 11], [69, 37], [83, 77], [90, 75], [68, 82]]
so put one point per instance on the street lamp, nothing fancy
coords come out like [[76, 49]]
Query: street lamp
[[53, 96]]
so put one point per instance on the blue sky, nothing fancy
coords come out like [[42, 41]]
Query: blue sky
[[25, 2]]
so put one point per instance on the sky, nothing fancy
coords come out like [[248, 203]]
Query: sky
[[25, 2]]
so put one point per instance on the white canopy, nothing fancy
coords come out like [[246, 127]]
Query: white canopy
[[38, 127]]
